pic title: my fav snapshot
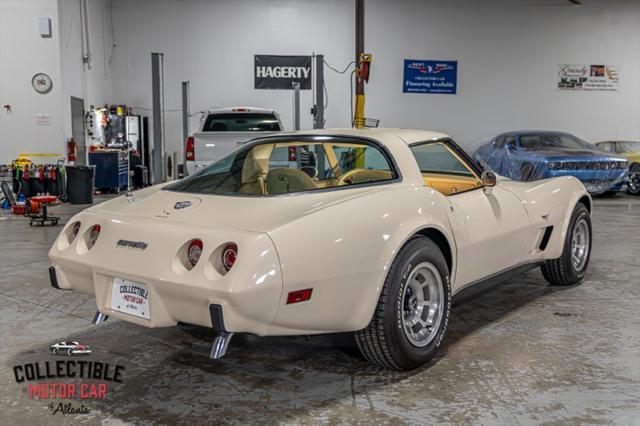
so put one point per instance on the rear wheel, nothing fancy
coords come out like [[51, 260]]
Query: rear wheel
[[413, 310], [571, 266]]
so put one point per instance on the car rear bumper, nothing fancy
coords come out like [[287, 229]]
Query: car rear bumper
[[248, 295]]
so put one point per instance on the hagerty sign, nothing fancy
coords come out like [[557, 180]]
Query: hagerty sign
[[280, 72]]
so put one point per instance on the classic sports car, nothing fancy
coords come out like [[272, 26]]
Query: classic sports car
[[69, 348], [379, 239], [532, 155], [631, 151]]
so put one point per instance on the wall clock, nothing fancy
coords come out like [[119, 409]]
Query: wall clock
[[42, 83]]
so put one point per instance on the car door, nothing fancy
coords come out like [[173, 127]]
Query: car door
[[492, 230]]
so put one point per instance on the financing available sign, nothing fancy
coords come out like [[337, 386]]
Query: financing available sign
[[588, 78], [281, 72], [422, 76]]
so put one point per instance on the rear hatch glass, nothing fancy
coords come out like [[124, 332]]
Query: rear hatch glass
[[241, 122]]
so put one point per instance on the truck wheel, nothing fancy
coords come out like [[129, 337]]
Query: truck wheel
[[413, 310], [571, 266]]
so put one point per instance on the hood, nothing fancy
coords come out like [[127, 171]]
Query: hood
[[260, 214]]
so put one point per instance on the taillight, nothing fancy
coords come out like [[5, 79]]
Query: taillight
[[75, 229], [93, 235], [194, 252], [292, 153], [229, 255], [299, 296], [191, 153]]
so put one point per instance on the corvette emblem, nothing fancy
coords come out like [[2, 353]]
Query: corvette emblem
[[182, 205], [140, 245]]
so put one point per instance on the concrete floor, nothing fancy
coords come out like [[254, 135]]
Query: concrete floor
[[524, 354]]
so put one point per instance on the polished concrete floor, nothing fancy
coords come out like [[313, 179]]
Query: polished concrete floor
[[523, 354]]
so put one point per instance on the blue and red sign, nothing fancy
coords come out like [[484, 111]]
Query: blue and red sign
[[430, 76]]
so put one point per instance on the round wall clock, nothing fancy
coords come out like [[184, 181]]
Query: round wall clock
[[42, 83]]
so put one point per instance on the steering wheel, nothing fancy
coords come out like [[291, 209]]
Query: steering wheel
[[347, 178]]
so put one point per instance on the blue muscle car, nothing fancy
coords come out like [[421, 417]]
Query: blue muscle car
[[532, 155]]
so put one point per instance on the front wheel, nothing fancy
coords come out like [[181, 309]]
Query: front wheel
[[633, 187], [571, 266], [413, 310]]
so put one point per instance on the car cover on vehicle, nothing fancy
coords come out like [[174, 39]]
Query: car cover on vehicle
[[535, 155]]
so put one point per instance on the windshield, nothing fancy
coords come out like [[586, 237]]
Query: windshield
[[241, 122], [294, 164], [553, 141]]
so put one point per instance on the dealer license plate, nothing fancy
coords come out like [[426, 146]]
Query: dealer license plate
[[130, 297]]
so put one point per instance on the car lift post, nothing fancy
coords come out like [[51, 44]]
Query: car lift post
[[185, 124], [157, 111], [296, 105], [318, 108]]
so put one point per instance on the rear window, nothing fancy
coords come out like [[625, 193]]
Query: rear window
[[241, 122], [292, 165]]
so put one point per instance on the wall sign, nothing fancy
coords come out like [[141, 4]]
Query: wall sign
[[42, 83], [422, 76], [280, 72], [588, 78]]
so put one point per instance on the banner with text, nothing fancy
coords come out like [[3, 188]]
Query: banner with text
[[280, 72], [588, 78], [430, 76]]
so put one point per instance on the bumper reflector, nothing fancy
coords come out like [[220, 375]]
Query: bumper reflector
[[299, 296]]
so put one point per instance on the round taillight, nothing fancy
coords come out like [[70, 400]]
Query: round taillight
[[93, 235], [194, 252], [75, 229], [229, 255]]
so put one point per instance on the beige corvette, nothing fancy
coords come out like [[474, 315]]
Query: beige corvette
[[375, 231]]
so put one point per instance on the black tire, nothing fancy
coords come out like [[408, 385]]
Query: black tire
[[527, 172], [69, 352], [633, 187], [384, 342], [561, 271]]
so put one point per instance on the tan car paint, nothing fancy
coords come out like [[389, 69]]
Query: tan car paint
[[340, 242]]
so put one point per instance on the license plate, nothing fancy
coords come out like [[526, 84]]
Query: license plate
[[130, 298]]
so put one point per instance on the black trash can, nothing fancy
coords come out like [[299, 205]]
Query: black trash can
[[140, 177], [80, 182]]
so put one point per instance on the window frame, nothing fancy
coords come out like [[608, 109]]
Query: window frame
[[473, 166], [310, 138]]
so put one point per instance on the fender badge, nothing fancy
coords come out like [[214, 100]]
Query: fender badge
[[182, 205], [545, 216]]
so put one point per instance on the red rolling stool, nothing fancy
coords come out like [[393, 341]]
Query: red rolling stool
[[43, 219]]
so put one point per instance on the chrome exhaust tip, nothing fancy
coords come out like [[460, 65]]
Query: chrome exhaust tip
[[220, 344]]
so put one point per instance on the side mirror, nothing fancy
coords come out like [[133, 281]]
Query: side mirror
[[489, 180]]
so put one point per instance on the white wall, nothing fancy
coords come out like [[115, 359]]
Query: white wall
[[212, 45], [93, 83], [508, 53], [24, 53]]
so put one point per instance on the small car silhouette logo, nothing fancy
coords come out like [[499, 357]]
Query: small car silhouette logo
[[182, 205], [69, 349]]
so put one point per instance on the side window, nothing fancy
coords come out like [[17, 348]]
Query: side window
[[510, 142], [437, 158], [365, 157]]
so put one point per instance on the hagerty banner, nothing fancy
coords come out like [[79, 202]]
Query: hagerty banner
[[280, 72], [588, 78], [422, 76]]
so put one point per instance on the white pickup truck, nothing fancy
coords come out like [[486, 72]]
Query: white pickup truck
[[225, 129]]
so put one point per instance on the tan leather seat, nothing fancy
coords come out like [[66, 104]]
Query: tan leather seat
[[284, 180], [356, 176]]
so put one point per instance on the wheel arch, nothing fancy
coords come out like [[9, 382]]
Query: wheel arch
[[439, 238]]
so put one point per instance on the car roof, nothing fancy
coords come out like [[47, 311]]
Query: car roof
[[387, 136], [519, 133], [241, 110]]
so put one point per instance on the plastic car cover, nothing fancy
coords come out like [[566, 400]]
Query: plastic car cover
[[531, 155], [631, 151]]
